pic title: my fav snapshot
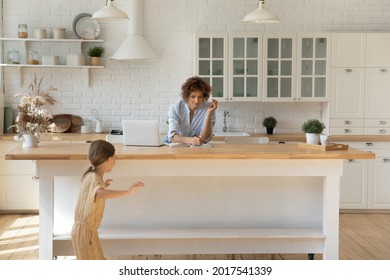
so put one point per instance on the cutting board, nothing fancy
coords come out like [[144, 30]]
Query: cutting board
[[331, 147]]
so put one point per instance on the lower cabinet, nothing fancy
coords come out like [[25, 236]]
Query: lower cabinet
[[379, 182], [19, 188], [366, 183], [353, 185]]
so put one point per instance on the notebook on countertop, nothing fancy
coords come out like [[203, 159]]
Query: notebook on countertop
[[141, 133]]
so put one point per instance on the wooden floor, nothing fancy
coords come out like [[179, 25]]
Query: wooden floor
[[362, 237]]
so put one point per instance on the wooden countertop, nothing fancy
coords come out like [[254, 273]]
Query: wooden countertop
[[274, 137], [62, 136], [335, 138], [78, 151]]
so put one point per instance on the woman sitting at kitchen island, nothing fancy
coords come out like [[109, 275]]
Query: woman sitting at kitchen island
[[192, 118]]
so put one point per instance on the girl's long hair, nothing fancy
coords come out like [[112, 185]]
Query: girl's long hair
[[98, 153]]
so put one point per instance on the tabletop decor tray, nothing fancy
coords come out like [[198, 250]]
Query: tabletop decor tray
[[331, 147]]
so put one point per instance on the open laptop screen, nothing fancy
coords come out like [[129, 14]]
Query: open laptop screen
[[141, 133]]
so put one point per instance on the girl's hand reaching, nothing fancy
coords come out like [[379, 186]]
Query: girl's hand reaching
[[108, 182], [135, 187]]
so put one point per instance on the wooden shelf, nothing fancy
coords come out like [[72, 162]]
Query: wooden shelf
[[205, 233], [202, 241], [50, 66], [25, 41], [52, 40]]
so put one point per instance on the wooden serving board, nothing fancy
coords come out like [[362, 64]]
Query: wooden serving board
[[331, 147], [75, 123]]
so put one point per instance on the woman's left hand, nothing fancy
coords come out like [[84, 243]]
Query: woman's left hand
[[213, 105]]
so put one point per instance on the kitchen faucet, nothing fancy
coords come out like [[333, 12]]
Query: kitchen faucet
[[225, 116]]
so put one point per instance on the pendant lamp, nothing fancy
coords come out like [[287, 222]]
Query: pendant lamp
[[110, 13], [261, 15], [134, 46]]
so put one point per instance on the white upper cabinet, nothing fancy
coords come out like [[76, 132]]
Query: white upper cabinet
[[279, 68], [274, 68], [211, 62], [360, 82], [347, 93], [245, 60], [296, 67], [378, 54], [348, 50], [313, 67], [231, 64], [377, 101]]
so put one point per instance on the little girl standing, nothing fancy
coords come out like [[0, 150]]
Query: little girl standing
[[90, 205]]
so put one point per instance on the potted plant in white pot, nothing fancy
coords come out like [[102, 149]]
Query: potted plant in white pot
[[96, 53], [313, 129], [269, 123]]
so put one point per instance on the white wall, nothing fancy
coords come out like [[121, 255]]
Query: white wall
[[145, 89]]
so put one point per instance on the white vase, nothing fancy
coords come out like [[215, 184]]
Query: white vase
[[29, 141], [312, 138]]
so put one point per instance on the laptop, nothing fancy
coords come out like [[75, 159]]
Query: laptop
[[141, 133]]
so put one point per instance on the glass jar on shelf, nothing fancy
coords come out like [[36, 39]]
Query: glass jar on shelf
[[22, 31], [13, 57], [32, 57]]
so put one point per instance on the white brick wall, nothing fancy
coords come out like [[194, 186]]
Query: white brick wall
[[145, 89]]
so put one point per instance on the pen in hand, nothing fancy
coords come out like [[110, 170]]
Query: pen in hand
[[200, 138]]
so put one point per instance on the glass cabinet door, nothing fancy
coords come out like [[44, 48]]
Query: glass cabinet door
[[313, 67], [210, 62], [245, 67], [279, 68]]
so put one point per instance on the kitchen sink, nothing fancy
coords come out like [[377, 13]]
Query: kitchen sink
[[235, 133]]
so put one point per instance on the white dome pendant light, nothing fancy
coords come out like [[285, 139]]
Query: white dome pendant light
[[110, 13], [261, 15]]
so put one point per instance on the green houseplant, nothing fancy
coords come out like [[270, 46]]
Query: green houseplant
[[269, 123], [96, 53], [313, 129]]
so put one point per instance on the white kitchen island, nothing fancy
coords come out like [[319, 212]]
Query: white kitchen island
[[221, 200]]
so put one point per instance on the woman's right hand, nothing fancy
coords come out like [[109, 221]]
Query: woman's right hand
[[196, 140]]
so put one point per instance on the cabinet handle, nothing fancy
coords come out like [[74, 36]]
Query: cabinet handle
[[347, 122], [383, 70], [348, 70], [386, 160], [382, 122], [350, 160], [347, 130], [382, 131], [369, 144], [35, 177]]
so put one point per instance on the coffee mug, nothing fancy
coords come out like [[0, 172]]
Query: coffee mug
[[325, 140]]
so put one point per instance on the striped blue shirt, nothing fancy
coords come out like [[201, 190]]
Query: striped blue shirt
[[179, 120]]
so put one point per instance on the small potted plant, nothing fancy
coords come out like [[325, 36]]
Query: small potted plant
[[313, 129], [269, 123], [96, 53]]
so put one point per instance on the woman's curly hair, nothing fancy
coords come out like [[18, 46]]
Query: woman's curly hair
[[195, 84]]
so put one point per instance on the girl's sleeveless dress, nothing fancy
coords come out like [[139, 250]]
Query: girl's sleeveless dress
[[88, 216]]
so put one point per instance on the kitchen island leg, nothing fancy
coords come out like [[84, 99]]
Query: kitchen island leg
[[46, 217]]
